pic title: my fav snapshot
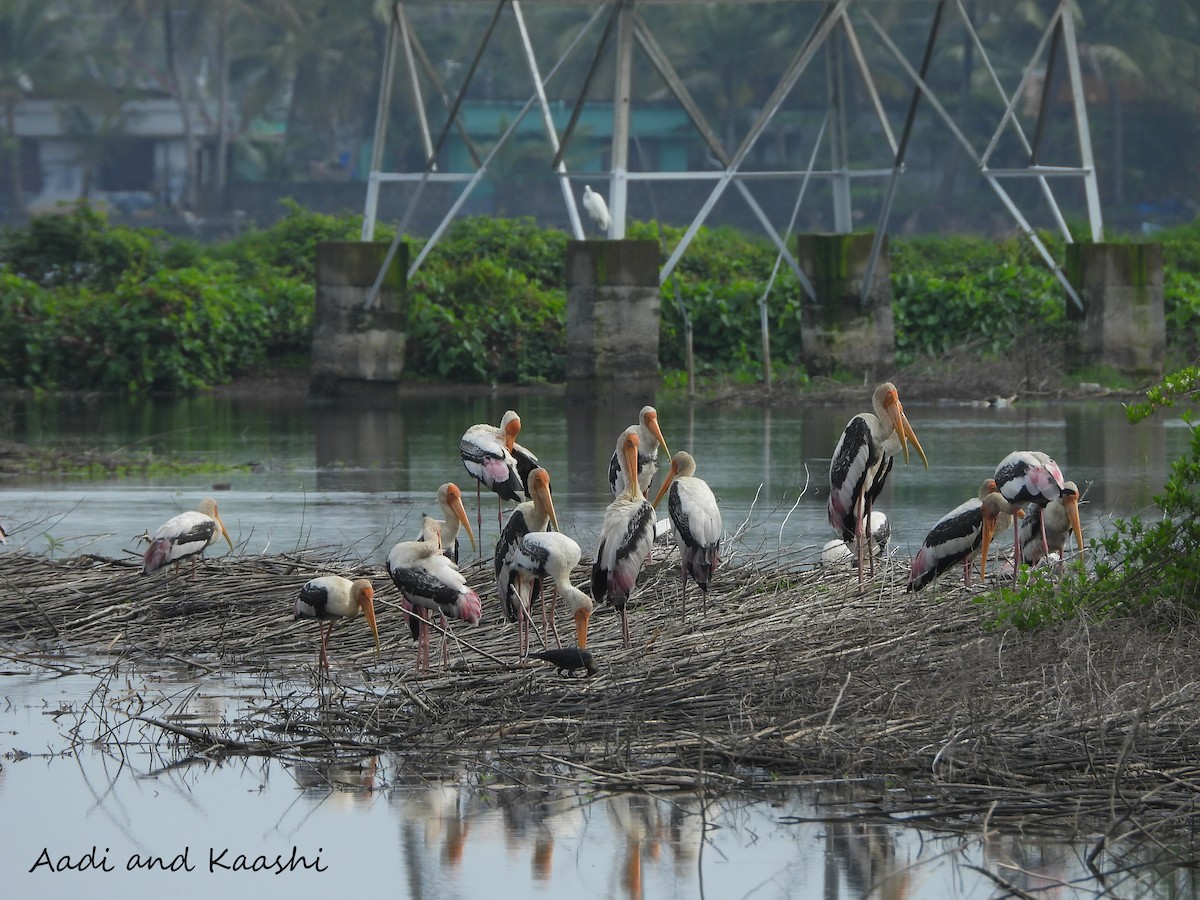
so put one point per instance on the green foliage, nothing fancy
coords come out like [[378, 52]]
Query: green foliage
[[79, 248], [991, 298], [290, 245], [478, 320], [1139, 565]]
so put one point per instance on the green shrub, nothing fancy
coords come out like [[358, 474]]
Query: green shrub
[[78, 248]]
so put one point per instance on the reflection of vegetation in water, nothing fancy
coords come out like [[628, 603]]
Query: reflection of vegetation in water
[[1139, 565], [17, 459]]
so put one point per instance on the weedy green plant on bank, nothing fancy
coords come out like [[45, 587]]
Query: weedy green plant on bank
[[1140, 565]]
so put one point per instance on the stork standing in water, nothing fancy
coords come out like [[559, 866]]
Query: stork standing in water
[[186, 535], [333, 597], [453, 514], [647, 464], [959, 535], [861, 463], [625, 537], [1055, 520], [495, 460], [535, 557], [1029, 476], [596, 209], [429, 581], [696, 519]]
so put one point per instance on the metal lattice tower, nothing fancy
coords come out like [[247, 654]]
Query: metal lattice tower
[[618, 29]]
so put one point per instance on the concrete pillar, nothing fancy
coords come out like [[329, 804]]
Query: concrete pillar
[[1122, 324], [838, 331], [613, 318], [354, 346]]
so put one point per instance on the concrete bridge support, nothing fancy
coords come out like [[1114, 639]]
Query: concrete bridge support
[[355, 347], [839, 330], [613, 320], [1123, 323]]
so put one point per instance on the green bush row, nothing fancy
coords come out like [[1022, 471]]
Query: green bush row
[[85, 304]]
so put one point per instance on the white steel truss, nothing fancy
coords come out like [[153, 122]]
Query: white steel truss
[[836, 31]]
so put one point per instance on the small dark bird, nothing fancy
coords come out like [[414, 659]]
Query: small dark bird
[[569, 660]]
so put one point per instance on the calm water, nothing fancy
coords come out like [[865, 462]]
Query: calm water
[[374, 827], [356, 480]]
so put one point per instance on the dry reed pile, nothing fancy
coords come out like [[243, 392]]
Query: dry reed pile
[[790, 674]]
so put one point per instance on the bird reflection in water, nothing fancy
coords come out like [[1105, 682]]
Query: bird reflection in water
[[866, 855]]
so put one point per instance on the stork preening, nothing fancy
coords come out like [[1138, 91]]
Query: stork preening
[[184, 536], [959, 535], [1028, 476], [596, 209], [1055, 520], [429, 581], [495, 460], [861, 463], [696, 521], [625, 537], [651, 439], [333, 597], [534, 558]]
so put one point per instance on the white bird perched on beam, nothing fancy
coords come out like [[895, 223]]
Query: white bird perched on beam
[[184, 535], [596, 209], [693, 509], [333, 597]]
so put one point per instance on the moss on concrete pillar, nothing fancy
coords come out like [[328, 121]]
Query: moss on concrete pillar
[[354, 345], [613, 317], [838, 330], [1122, 324]]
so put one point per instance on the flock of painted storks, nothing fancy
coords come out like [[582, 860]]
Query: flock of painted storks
[[532, 554]]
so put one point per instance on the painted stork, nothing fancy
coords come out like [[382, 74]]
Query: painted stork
[[532, 515], [651, 439], [696, 518], [188, 534], [1056, 520], [596, 209], [333, 597], [495, 460], [959, 535], [1028, 476], [450, 500], [879, 531], [429, 581], [861, 463], [625, 537], [535, 557]]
